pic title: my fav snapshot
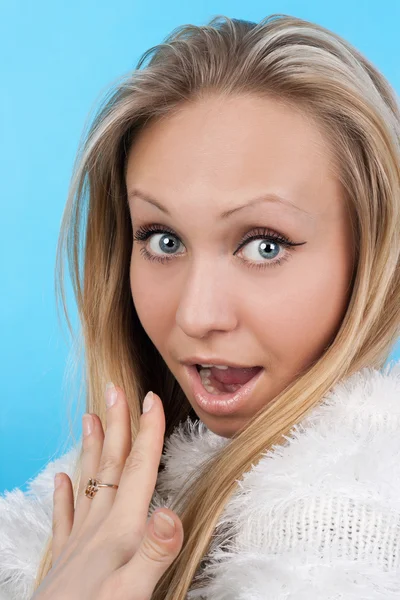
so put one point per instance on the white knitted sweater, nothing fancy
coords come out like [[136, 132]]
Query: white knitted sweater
[[318, 518]]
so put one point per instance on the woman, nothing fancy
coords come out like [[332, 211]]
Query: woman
[[242, 262]]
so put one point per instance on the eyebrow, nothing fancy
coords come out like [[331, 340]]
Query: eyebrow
[[269, 197]]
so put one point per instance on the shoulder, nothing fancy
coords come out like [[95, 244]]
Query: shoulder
[[25, 523], [319, 516]]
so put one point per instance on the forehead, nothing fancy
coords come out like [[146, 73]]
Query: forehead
[[221, 151]]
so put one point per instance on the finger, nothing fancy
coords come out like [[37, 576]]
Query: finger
[[63, 514], [137, 579], [93, 437], [116, 448], [139, 476]]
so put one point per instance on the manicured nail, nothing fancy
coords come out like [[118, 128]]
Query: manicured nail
[[164, 526], [148, 402], [111, 394], [87, 424]]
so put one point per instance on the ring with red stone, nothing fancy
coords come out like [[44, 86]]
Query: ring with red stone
[[93, 486]]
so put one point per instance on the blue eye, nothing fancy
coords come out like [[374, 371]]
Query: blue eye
[[262, 249], [168, 242]]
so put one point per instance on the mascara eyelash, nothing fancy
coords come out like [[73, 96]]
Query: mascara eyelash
[[145, 231]]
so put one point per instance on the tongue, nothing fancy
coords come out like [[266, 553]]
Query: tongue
[[233, 375]]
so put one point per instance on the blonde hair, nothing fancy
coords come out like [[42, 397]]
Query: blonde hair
[[315, 71]]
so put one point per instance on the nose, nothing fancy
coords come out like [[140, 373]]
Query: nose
[[208, 299]]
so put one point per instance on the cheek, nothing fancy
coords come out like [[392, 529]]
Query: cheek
[[299, 314], [149, 296]]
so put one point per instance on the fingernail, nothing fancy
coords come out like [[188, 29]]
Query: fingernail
[[57, 480], [87, 424], [111, 394], [148, 402], [164, 526]]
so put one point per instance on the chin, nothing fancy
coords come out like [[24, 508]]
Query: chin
[[225, 426]]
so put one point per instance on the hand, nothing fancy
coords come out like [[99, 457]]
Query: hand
[[108, 548]]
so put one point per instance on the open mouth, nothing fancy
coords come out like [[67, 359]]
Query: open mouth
[[218, 381], [214, 391]]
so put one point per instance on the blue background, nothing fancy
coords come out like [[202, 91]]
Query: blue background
[[57, 60]]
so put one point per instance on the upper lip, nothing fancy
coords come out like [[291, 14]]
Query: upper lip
[[201, 360]]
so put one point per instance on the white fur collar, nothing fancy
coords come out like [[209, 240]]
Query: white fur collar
[[349, 444]]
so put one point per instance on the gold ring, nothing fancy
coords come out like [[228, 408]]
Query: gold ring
[[93, 485]]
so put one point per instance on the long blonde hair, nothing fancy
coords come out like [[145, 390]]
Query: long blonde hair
[[311, 69]]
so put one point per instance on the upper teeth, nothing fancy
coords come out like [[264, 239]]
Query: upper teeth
[[216, 366]]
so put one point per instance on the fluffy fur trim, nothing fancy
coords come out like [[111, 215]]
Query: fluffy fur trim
[[318, 518], [25, 524]]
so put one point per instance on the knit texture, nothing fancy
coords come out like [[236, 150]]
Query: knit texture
[[317, 518]]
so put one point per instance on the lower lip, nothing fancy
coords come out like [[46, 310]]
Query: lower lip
[[221, 404]]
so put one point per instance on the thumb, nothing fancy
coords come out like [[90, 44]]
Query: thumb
[[160, 546]]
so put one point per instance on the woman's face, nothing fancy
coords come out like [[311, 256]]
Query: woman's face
[[266, 304]]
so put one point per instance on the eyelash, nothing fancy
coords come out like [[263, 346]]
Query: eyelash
[[145, 231]]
